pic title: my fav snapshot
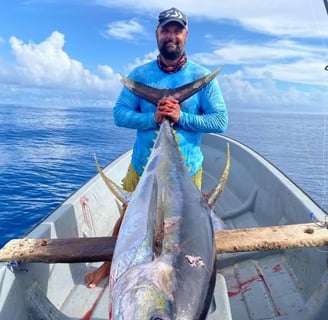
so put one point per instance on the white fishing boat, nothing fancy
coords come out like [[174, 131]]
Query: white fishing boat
[[271, 284]]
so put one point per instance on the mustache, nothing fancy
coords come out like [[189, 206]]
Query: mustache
[[169, 42], [167, 52]]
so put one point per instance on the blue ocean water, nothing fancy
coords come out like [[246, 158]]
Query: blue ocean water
[[47, 153]]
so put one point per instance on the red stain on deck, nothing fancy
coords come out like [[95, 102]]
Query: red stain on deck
[[276, 268], [88, 314], [242, 286]]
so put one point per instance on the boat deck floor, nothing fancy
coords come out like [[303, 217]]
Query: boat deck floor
[[264, 288], [93, 303], [248, 287]]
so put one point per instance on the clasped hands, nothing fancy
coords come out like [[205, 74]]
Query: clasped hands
[[167, 107]]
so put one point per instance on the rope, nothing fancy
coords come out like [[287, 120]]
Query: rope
[[322, 224], [14, 265]]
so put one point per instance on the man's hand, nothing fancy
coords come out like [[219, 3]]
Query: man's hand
[[168, 107]]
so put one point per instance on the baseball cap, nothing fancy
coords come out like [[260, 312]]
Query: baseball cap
[[171, 15]]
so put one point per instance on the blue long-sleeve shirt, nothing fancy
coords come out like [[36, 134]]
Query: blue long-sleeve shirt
[[205, 111]]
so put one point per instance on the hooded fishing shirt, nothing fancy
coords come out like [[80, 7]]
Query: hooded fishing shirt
[[205, 111]]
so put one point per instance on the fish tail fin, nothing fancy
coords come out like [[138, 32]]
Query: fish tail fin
[[182, 93]]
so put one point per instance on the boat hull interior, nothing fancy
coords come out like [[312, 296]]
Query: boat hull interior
[[279, 284]]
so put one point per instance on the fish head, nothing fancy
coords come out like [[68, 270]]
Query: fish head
[[151, 303], [145, 293]]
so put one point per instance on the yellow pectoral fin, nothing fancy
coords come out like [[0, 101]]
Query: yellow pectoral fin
[[215, 193], [121, 194]]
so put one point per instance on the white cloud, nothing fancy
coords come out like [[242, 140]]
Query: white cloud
[[266, 95], [256, 53], [47, 70], [288, 61], [124, 29], [107, 71], [307, 72], [47, 66], [301, 18], [138, 61]]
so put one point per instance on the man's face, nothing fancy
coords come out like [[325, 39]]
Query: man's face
[[171, 39]]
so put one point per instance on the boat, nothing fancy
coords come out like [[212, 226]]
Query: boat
[[279, 284]]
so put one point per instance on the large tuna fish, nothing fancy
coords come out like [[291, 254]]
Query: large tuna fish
[[163, 266]]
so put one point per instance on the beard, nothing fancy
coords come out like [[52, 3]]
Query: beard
[[170, 54]]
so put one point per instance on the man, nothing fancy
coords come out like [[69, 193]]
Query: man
[[205, 111]]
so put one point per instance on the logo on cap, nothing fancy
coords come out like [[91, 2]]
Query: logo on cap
[[174, 13], [171, 15]]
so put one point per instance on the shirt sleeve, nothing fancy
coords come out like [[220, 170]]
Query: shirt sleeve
[[126, 113], [213, 116]]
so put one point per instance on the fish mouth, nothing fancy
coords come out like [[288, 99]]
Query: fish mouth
[[159, 315]]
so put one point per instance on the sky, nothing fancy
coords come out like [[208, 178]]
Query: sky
[[73, 52]]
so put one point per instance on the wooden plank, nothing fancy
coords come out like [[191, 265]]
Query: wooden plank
[[271, 238], [69, 250], [64, 250]]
